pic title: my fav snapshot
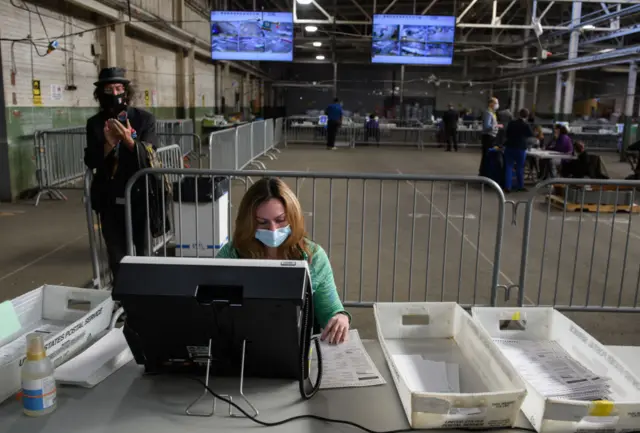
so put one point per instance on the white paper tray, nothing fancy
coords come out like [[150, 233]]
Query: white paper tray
[[491, 392], [67, 329], [562, 415]]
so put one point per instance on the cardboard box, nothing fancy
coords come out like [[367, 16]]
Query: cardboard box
[[68, 317], [563, 415], [490, 390]]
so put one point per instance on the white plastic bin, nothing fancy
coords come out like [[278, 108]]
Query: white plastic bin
[[563, 415], [490, 391], [52, 311]]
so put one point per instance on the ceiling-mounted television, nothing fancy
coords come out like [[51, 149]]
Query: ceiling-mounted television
[[413, 39], [260, 36]]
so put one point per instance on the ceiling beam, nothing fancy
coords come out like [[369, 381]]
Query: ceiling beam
[[587, 62]]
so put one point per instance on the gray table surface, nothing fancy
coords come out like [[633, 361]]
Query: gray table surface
[[129, 402]]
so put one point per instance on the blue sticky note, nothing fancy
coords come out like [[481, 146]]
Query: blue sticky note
[[9, 322]]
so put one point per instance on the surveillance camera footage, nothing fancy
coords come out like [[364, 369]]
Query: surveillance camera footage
[[252, 36], [413, 39]]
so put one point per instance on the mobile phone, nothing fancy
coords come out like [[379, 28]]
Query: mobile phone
[[122, 118]]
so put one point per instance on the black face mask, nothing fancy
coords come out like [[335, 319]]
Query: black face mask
[[113, 104]]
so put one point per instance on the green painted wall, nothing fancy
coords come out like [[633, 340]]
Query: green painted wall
[[22, 122]]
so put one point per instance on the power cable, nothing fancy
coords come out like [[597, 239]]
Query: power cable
[[331, 420]]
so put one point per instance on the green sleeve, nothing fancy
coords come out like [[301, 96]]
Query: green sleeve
[[227, 252], [326, 301]]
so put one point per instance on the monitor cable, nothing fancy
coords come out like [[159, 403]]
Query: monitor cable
[[308, 389], [340, 421]]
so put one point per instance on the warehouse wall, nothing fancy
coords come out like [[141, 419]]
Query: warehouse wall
[[67, 74], [153, 69], [60, 104]]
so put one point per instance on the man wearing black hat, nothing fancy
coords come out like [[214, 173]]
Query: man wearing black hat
[[115, 150]]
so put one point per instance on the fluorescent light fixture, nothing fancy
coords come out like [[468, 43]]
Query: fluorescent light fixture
[[588, 27], [304, 2], [606, 50], [311, 29], [319, 57], [317, 44]]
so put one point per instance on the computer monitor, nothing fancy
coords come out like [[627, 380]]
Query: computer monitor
[[174, 306], [323, 120]]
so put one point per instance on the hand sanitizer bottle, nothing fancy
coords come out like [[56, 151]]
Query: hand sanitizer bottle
[[38, 384]]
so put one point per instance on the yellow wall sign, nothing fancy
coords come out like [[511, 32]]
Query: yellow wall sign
[[37, 92], [147, 98]]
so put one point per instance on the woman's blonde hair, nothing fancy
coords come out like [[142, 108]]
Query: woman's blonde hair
[[244, 239]]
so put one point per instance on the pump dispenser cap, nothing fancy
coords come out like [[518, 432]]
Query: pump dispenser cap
[[35, 347]]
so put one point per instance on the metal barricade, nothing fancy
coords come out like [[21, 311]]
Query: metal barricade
[[59, 158], [278, 133], [196, 154], [222, 149], [258, 139], [579, 252], [420, 239], [102, 277], [308, 132], [171, 157], [178, 131]]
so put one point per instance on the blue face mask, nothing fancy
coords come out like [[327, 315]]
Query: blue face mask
[[273, 238]]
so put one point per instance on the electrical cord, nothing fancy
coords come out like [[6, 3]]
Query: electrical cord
[[307, 389], [332, 420]]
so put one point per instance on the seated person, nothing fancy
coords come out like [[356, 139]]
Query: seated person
[[585, 165], [270, 225], [561, 143]]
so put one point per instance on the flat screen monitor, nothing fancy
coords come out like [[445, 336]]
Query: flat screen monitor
[[413, 39], [259, 36], [323, 120]]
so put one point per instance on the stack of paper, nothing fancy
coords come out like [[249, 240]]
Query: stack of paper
[[552, 371], [347, 365]]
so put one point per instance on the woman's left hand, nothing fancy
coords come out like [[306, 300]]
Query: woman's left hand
[[337, 329]]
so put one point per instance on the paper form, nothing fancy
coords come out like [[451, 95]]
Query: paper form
[[347, 365]]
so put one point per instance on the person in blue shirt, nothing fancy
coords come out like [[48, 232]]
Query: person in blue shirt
[[517, 136], [334, 121]]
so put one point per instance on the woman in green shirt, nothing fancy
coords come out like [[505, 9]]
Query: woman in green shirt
[[270, 225]]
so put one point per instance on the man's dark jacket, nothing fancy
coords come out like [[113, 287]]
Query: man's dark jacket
[[518, 131], [450, 120], [111, 172]]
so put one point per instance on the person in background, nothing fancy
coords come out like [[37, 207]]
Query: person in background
[[489, 132], [561, 143], [579, 167], [270, 225], [114, 145], [517, 135], [504, 116], [539, 137], [334, 121], [450, 125]]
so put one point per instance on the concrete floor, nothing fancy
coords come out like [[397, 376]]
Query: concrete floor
[[394, 240]]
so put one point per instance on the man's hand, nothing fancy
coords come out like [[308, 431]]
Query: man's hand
[[122, 132], [111, 140], [337, 329]]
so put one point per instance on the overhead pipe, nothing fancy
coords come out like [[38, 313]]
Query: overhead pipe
[[622, 55]]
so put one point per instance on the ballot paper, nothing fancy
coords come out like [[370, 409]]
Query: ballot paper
[[18, 347], [95, 364], [424, 375], [552, 371], [347, 365]]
